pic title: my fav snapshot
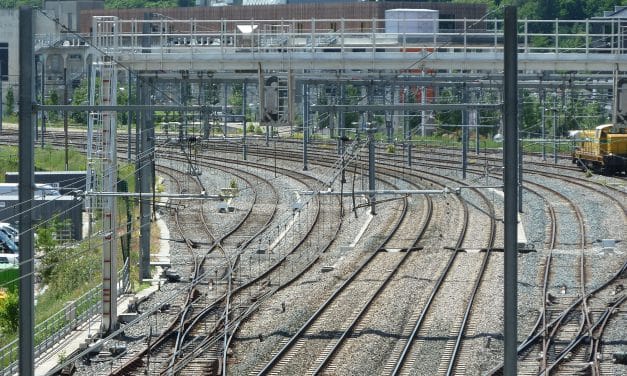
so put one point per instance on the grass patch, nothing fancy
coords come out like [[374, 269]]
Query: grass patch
[[9, 279], [51, 159], [46, 159]]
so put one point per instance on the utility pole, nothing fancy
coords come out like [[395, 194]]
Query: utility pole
[[65, 124], [225, 108], [510, 179], [244, 146], [305, 124], [144, 180], [1, 95], [543, 128], [342, 126], [371, 171], [43, 98], [26, 183], [423, 113], [464, 132], [406, 128], [389, 118], [520, 154], [129, 118], [261, 89], [555, 128], [109, 212]]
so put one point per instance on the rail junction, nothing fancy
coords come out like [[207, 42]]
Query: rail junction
[[299, 272]]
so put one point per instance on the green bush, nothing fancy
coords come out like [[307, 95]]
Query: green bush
[[47, 243], [9, 313]]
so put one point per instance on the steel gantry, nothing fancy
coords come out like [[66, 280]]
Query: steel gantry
[[219, 45]]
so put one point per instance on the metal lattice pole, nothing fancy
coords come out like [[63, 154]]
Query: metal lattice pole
[[109, 217]]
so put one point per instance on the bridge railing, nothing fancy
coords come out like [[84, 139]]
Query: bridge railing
[[166, 36]]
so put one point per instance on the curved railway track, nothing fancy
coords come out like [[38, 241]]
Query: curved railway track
[[192, 310], [336, 332], [580, 221], [566, 334]]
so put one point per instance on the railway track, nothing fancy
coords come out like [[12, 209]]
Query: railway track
[[336, 333], [552, 237], [186, 359], [586, 305]]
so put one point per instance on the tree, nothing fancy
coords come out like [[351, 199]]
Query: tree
[[80, 97], [10, 101], [531, 112], [123, 100], [237, 98], [6, 4], [324, 118], [53, 99], [449, 95], [352, 97], [47, 244]]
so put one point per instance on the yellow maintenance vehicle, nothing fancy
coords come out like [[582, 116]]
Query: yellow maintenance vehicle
[[604, 149]]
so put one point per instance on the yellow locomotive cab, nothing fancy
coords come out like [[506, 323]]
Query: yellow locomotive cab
[[603, 149]]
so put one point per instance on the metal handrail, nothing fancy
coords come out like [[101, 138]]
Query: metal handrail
[[557, 36], [49, 332]]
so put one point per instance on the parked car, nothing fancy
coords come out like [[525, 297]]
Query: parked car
[[9, 260], [41, 190], [7, 245], [11, 232]]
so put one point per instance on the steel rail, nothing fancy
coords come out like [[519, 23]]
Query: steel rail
[[192, 322], [580, 338], [218, 243], [530, 341], [438, 283], [582, 232], [236, 323], [292, 341], [476, 286], [266, 272], [466, 316], [182, 316], [360, 315]]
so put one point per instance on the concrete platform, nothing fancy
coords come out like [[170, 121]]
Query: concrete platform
[[522, 237]]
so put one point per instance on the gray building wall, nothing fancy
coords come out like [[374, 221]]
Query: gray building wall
[[45, 31], [65, 181], [67, 207], [68, 11]]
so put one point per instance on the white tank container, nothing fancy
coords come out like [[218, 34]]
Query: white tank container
[[411, 21], [263, 2]]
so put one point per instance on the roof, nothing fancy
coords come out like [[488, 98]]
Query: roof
[[618, 12]]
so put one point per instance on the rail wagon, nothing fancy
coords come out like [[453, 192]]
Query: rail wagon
[[603, 149]]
